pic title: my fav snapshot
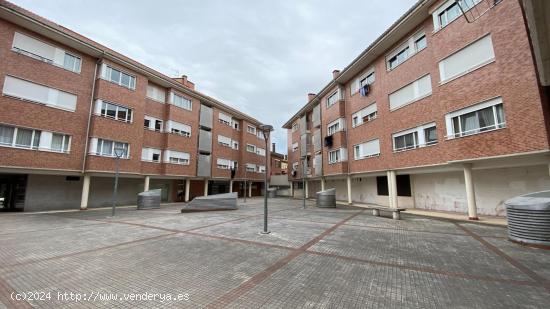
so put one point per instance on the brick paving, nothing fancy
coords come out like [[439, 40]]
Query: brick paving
[[313, 258]]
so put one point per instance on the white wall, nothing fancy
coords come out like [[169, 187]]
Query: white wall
[[445, 191]]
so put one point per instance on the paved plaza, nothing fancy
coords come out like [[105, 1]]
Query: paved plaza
[[313, 258]]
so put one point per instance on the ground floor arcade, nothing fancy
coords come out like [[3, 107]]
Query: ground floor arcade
[[42, 191], [473, 188]]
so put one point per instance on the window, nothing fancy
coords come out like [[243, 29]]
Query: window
[[224, 141], [406, 141], [366, 150], [225, 119], [152, 123], [412, 92], [335, 126], [420, 43], [178, 128], [295, 127], [156, 93], [37, 49], [120, 78], [412, 46], [399, 58], [261, 169], [29, 91], [60, 142], [479, 118], [335, 156], [471, 57], [114, 111], [295, 166], [250, 167], [176, 157], [251, 129], [250, 148], [150, 155], [260, 151], [421, 136], [450, 11], [103, 147], [333, 98], [180, 101], [294, 147], [236, 125], [224, 164], [235, 145], [260, 134], [368, 78], [19, 137], [367, 114]]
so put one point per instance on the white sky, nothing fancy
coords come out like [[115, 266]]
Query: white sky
[[259, 56]]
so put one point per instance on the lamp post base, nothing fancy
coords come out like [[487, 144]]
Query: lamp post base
[[265, 233]]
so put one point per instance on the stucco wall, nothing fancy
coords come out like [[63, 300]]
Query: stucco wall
[[445, 191]]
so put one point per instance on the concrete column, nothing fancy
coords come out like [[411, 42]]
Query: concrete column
[[250, 189], [291, 189], [187, 188], [322, 183], [231, 186], [470, 192], [146, 184], [349, 189], [306, 189], [206, 187], [85, 192], [392, 189]]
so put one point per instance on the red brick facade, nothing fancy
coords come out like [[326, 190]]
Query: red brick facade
[[512, 76]]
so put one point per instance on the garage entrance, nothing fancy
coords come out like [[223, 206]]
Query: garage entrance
[[12, 192]]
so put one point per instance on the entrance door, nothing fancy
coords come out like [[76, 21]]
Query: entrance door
[[12, 192]]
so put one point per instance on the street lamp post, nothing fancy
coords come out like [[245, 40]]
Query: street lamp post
[[119, 152], [266, 129], [304, 182]]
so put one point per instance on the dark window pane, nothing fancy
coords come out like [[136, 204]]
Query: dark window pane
[[122, 113], [382, 185], [403, 185], [111, 110]]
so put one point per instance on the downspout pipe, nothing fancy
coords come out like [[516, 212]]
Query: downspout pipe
[[87, 141]]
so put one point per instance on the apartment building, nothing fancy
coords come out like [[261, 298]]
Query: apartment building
[[447, 110], [279, 162], [69, 104]]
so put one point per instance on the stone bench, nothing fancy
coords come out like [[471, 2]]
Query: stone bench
[[395, 211], [224, 201]]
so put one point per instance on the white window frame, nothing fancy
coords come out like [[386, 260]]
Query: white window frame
[[153, 123], [52, 93], [251, 129], [336, 156], [416, 89], [156, 89], [176, 157], [185, 103], [99, 147], [107, 76], [410, 46], [151, 152], [419, 137], [235, 145], [443, 79], [253, 146], [335, 126], [260, 151], [224, 164], [451, 134], [170, 128], [357, 155], [13, 144], [333, 98], [77, 66], [251, 168], [295, 147], [444, 8], [358, 118], [129, 111], [224, 141], [222, 118]]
